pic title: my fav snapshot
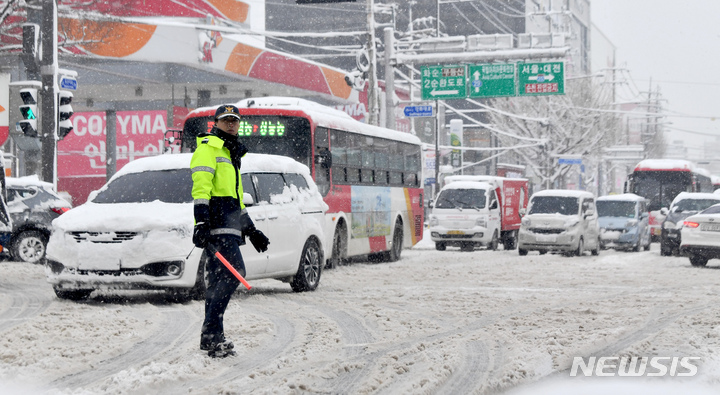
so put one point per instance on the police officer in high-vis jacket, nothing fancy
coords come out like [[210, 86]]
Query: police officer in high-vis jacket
[[221, 220]]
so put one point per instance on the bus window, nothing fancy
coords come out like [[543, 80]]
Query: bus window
[[338, 175]]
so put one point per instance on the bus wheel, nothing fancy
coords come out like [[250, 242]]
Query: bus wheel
[[339, 249], [397, 243]]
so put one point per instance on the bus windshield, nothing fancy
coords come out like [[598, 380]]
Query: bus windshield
[[661, 187], [261, 134]]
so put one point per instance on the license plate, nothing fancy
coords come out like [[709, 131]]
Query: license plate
[[710, 227], [455, 232], [546, 238]]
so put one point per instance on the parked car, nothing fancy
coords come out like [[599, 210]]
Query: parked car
[[136, 231], [701, 236], [684, 205], [623, 221], [33, 205], [560, 220]]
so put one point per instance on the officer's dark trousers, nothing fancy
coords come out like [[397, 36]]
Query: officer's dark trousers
[[221, 283]]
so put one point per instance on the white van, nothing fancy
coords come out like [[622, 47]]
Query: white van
[[466, 214], [560, 220]]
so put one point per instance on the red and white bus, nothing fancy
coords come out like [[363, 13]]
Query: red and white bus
[[660, 180], [370, 176]]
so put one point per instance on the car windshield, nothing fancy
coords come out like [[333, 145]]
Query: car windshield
[[694, 204], [615, 208], [554, 204], [461, 198], [169, 186]]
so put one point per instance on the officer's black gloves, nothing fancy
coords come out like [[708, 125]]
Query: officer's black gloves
[[258, 240], [201, 234]]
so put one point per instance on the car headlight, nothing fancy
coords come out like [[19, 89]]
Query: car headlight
[[434, 221], [668, 225], [481, 221], [525, 222]]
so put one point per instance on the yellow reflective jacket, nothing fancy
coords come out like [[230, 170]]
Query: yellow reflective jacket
[[217, 187]]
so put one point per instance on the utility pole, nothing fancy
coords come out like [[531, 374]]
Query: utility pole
[[48, 71], [373, 110], [390, 78]]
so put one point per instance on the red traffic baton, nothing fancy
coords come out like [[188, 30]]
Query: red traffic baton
[[227, 264]]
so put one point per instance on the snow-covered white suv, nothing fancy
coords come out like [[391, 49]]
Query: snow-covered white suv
[[136, 231]]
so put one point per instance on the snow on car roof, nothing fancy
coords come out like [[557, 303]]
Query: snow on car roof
[[32, 180], [695, 195], [468, 185], [623, 197], [250, 162], [563, 192]]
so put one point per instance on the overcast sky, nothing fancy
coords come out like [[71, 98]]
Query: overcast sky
[[677, 44]]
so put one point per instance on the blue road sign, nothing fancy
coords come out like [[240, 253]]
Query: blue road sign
[[68, 83], [569, 161], [418, 111]]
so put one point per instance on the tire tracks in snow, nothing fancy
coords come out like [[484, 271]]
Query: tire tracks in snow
[[177, 322], [26, 303]]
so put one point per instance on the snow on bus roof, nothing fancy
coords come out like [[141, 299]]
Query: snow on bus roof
[[622, 197], [665, 164], [320, 114], [250, 162]]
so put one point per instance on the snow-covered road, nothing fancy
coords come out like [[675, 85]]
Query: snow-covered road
[[435, 322]]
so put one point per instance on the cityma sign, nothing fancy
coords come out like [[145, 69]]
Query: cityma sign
[[82, 155]]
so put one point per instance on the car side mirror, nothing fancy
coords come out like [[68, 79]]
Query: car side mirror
[[431, 203], [248, 199], [589, 213], [664, 211], [324, 159], [494, 205], [644, 215], [521, 212]]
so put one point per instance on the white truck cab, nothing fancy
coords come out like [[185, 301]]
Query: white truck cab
[[466, 214]]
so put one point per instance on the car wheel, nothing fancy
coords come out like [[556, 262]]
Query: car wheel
[[494, 242], [522, 252], [197, 292], [467, 247], [698, 260], [542, 252], [397, 243], [581, 248], [665, 249], [647, 246], [440, 246], [339, 251], [637, 247], [29, 246], [74, 294], [510, 240], [307, 277]]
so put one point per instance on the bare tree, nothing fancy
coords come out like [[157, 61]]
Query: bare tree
[[577, 124]]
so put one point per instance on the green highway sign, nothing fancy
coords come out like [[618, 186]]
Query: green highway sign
[[444, 82], [492, 80], [540, 79]]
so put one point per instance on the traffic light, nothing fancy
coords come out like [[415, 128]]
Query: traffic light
[[30, 54], [29, 112], [65, 111]]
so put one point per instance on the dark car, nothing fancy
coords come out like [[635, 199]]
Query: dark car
[[684, 205], [33, 205]]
